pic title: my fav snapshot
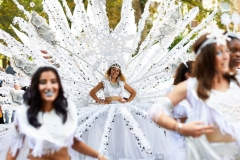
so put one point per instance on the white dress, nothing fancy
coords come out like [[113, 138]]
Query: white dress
[[50, 137], [177, 141], [221, 109], [121, 131]]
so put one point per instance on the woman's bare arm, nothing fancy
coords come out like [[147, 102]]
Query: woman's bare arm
[[194, 129], [132, 92], [10, 157], [93, 92], [83, 148]]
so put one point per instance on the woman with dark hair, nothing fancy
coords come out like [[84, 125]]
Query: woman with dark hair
[[213, 127], [48, 121], [183, 72], [179, 113]]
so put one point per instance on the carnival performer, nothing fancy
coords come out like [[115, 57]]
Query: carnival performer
[[113, 86], [178, 146], [127, 125], [234, 47], [48, 121], [213, 128]]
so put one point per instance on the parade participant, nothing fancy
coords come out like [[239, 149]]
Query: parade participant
[[125, 129], [213, 94], [113, 86], [234, 48], [176, 140], [48, 121]]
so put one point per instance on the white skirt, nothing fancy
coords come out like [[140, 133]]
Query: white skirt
[[201, 149], [130, 134]]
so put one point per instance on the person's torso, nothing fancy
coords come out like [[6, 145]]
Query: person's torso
[[113, 89]]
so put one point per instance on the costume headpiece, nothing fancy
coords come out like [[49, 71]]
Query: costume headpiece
[[216, 36], [227, 19], [115, 65]]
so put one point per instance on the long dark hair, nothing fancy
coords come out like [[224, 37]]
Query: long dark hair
[[204, 68], [33, 99], [181, 71]]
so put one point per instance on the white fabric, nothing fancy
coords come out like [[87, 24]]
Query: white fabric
[[238, 75], [175, 140], [109, 90], [221, 109], [163, 105], [180, 110], [177, 146], [51, 136], [122, 143]]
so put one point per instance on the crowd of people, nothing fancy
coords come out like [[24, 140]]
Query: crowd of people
[[200, 112]]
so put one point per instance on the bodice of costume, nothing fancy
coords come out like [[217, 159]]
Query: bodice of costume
[[50, 137], [221, 109], [112, 90]]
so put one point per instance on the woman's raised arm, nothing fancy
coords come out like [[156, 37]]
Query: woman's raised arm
[[93, 92], [132, 92]]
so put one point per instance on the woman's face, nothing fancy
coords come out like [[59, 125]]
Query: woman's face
[[48, 86], [222, 59], [234, 47], [115, 72]]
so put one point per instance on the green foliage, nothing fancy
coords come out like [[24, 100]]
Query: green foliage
[[114, 11], [8, 10]]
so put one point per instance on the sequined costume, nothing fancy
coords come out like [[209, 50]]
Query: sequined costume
[[123, 131]]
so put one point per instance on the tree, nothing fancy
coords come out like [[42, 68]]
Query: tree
[[8, 10]]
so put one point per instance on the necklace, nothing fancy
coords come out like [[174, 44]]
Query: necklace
[[114, 85]]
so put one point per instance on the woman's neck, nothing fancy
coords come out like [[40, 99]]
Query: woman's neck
[[220, 83], [47, 106], [113, 80]]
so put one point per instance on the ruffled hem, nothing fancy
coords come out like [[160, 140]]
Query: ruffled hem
[[121, 131]]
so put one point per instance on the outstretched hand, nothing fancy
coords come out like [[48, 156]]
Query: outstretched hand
[[196, 129]]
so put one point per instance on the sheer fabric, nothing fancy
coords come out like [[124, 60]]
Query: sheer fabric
[[221, 109], [45, 140], [122, 143]]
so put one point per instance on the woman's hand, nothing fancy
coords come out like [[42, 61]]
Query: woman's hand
[[121, 100], [195, 129], [102, 157]]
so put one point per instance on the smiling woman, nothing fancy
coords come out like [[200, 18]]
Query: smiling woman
[[113, 86], [213, 94], [48, 87], [48, 121]]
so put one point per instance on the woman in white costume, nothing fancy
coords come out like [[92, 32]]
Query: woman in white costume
[[113, 85], [128, 136], [47, 121], [213, 127], [179, 113]]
